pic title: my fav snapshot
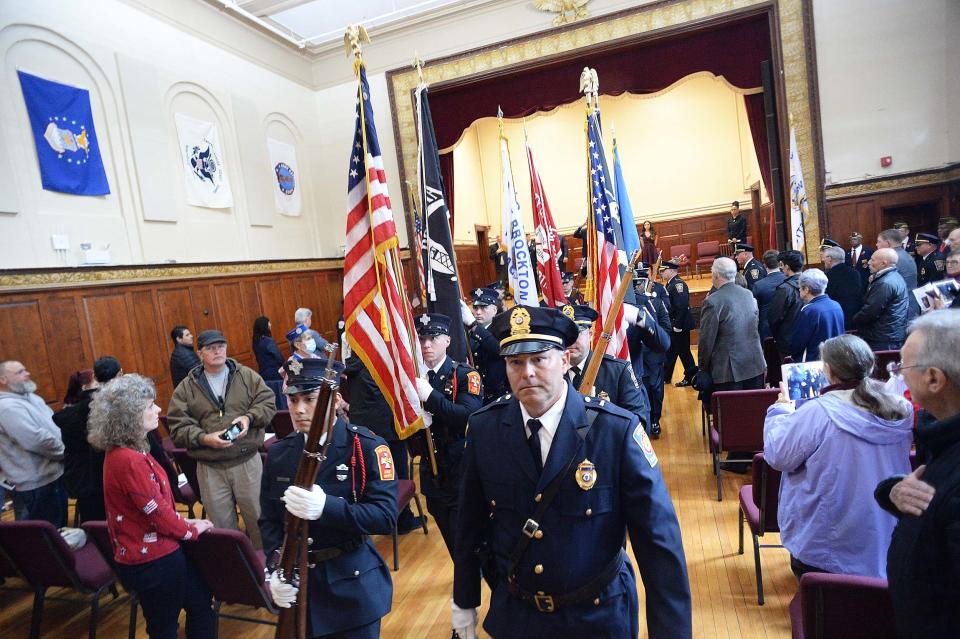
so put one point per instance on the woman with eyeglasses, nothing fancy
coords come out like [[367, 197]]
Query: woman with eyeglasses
[[833, 450]]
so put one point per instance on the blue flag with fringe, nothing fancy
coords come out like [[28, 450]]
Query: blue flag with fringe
[[68, 149], [631, 239]]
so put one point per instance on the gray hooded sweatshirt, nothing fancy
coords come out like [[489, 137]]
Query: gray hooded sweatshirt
[[31, 448]]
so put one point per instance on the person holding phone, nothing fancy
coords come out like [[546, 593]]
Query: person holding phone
[[219, 413]]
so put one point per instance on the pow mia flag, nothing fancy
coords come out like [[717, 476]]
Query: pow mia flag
[[439, 260]]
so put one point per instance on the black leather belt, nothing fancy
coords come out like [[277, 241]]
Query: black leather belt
[[326, 554], [551, 603]]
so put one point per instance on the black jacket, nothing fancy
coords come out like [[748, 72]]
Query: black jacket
[[680, 315], [753, 272], [82, 463], [182, 360], [923, 563], [486, 357], [763, 291], [617, 383], [269, 359], [737, 228], [783, 311], [844, 287], [883, 317], [367, 405]]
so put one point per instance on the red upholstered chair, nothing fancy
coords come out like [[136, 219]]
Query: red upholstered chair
[[678, 250], [44, 560], [772, 358], [282, 424], [233, 571], [406, 490], [99, 536], [707, 252], [738, 425], [758, 507], [842, 607], [883, 359]]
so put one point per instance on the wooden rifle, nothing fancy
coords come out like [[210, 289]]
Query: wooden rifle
[[590, 375], [292, 566]]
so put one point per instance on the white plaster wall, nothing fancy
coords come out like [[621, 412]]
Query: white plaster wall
[[889, 84]]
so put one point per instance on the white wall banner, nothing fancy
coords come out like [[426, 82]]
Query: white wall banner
[[204, 174], [286, 177]]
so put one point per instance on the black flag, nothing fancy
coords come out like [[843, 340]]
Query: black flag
[[439, 260]]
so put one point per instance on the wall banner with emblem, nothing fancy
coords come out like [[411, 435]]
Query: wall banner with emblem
[[285, 177], [204, 173]]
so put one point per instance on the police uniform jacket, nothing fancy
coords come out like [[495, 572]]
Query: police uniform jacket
[[845, 287], [754, 271], [660, 301], [679, 294], [737, 228], [617, 383], [486, 356], [933, 268], [861, 263], [353, 589], [653, 336], [583, 529]]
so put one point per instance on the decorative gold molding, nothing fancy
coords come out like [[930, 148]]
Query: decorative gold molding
[[658, 16], [894, 183]]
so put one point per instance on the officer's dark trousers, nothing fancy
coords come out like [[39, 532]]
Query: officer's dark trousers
[[442, 503], [369, 631], [679, 347], [165, 587], [653, 380]]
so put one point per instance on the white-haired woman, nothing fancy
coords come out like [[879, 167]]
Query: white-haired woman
[[145, 528]]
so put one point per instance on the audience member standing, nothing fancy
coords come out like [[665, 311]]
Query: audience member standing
[[820, 318], [786, 302], [76, 384], [648, 243], [728, 343], [182, 359], [211, 400], [905, 264], [736, 225], [145, 529], [269, 359], [832, 451], [844, 285], [923, 566], [764, 289], [882, 321], [305, 316], [858, 258], [31, 449]]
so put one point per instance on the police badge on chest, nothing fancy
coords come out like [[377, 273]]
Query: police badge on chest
[[341, 472]]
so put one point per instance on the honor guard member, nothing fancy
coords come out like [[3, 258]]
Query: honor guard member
[[945, 226], [753, 269], [652, 296], [573, 295], [859, 258], [682, 323], [355, 496], [615, 381], [485, 304], [553, 482], [451, 392], [933, 266]]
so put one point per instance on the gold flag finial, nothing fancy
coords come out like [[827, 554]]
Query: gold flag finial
[[354, 38], [418, 65]]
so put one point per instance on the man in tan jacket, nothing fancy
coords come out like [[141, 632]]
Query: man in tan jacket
[[219, 413]]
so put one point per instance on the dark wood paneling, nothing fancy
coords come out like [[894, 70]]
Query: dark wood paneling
[[63, 333], [237, 327], [204, 312], [175, 309], [22, 338], [109, 322]]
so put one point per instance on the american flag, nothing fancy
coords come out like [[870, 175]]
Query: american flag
[[375, 305], [604, 259]]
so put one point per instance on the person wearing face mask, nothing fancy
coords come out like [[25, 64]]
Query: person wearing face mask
[[304, 343]]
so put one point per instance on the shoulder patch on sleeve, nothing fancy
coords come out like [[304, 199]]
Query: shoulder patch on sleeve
[[385, 462], [640, 436], [473, 383]]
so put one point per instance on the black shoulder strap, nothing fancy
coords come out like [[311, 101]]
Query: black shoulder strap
[[532, 524]]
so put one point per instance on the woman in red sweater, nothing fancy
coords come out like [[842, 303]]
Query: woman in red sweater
[[144, 526]]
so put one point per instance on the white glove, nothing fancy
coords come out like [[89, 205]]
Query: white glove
[[466, 315], [283, 594], [464, 621], [305, 504], [423, 389], [677, 330]]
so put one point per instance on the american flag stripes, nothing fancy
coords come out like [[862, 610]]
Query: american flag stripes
[[375, 306]]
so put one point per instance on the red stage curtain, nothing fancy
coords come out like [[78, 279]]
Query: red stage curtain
[[758, 131], [446, 174], [733, 50]]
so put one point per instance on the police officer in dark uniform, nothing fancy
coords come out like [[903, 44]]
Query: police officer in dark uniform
[[736, 225], [753, 269], [355, 496], [682, 323], [933, 266], [450, 392], [653, 297], [615, 381], [574, 296], [553, 482], [485, 304]]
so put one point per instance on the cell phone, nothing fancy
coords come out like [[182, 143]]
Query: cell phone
[[231, 433]]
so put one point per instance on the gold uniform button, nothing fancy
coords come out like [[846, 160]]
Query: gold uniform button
[[596, 602], [589, 512], [538, 569], [538, 498], [538, 534]]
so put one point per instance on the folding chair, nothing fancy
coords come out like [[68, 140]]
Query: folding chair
[[282, 424], [758, 507], [678, 250], [406, 490], [99, 536], [44, 560], [842, 607], [707, 252], [737, 426]]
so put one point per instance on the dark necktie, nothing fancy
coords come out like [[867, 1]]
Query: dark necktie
[[534, 442], [575, 377], [430, 376]]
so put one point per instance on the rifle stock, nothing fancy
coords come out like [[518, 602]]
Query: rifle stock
[[292, 565], [590, 375]]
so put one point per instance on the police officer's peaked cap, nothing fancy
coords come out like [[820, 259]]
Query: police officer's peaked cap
[[827, 242], [306, 375], [485, 297], [566, 277], [927, 237], [856, 236], [533, 329], [430, 324], [743, 247], [581, 314], [666, 265]]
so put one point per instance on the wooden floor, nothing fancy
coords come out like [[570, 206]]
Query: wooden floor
[[722, 581]]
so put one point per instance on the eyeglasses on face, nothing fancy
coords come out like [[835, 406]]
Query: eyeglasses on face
[[895, 368]]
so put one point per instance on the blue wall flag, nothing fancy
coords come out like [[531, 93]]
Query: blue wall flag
[[68, 148]]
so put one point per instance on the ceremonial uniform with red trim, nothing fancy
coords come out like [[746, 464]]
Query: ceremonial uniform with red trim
[[352, 591]]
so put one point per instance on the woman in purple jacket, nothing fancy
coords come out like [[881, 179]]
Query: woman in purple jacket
[[833, 450]]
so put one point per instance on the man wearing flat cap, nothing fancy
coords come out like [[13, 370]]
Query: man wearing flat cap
[[933, 266], [753, 269], [553, 481], [450, 392], [615, 381], [353, 496], [209, 402]]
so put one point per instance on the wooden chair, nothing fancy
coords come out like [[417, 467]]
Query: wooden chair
[[758, 508]]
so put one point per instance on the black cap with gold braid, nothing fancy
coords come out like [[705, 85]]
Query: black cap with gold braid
[[532, 329]]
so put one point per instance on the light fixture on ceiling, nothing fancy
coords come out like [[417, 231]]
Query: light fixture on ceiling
[[233, 6]]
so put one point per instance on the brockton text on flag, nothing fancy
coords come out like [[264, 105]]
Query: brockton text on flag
[[520, 271]]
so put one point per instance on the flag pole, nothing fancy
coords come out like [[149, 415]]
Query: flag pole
[[586, 86]]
